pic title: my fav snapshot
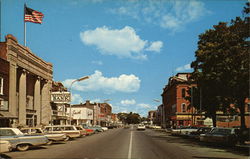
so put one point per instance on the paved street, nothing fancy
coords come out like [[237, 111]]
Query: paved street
[[130, 143]]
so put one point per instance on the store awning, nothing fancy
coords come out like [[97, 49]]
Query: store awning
[[7, 115]]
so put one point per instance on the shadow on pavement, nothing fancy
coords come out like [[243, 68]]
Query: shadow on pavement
[[3, 156], [196, 143]]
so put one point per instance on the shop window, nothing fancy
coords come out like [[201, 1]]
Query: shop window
[[1, 86]]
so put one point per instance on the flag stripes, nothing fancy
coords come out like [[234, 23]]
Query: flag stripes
[[33, 16]]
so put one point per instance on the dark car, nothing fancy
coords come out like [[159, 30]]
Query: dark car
[[225, 136], [201, 130]]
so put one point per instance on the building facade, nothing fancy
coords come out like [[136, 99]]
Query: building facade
[[60, 99], [27, 95], [81, 115], [175, 103]]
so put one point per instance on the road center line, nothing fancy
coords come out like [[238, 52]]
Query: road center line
[[130, 145]]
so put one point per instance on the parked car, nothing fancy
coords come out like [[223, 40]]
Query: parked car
[[97, 128], [70, 130], [89, 131], [83, 131], [5, 146], [104, 128], [19, 141], [53, 137], [201, 130], [220, 135], [175, 131], [141, 127], [185, 131]]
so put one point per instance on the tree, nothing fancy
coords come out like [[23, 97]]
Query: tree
[[129, 118], [221, 68]]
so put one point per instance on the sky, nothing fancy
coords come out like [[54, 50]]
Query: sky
[[128, 48]]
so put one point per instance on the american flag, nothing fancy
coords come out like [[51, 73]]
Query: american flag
[[32, 15]]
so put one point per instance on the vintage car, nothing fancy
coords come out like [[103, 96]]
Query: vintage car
[[96, 128], [83, 132], [175, 131], [104, 128], [141, 127], [5, 146], [89, 130], [201, 130], [185, 131], [225, 136], [53, 137], [70, 130], [19, 141]]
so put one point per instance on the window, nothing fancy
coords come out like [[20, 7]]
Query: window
[[183, 92], [1, 86], [183, 107], [7, 132]]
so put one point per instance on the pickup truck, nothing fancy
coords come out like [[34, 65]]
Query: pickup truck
[[19, 141]]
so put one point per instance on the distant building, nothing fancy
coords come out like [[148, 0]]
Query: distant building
[[25, 84], [152, 116], [102, 112], [81, 115]]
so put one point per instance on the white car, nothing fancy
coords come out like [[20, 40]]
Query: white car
[[5, 146], [141, 127], [104, 128]]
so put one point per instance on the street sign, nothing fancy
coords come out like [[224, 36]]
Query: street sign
[[60, 97]]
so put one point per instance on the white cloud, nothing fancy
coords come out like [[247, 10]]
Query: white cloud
[[183, 68], [155, 46], [76, 99], [172, 15], [97, 82], [124, 43], [128, 102], [97, 62]]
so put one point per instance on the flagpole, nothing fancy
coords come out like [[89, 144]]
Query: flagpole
[[0, 20], [24, 24]]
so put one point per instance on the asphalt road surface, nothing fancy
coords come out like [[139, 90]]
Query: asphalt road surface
[[131, 144]]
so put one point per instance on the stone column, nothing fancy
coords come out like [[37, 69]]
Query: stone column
[[45, 103], [12, 88], [37, 99], [22, 98]]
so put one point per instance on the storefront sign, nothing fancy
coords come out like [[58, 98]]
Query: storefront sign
[[60, 97]]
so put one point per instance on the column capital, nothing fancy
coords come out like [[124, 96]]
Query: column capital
[[25, 71]]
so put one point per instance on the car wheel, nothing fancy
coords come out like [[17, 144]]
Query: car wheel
[[23, 147], [66, 139], [50, 142]]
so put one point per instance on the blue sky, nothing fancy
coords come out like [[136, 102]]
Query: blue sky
[[129, 48]]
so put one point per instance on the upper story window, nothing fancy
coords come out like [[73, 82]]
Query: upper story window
[[1, 86], [183, 92], [183, 107]]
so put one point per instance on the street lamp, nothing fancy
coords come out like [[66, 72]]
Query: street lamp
[[77, 80]]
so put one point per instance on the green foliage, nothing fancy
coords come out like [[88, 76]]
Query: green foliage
[[221, 68], [129, 118]]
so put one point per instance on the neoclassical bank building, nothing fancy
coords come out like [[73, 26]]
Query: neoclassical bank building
[[25, 84]]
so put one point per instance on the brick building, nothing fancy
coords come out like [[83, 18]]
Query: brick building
[[174, 102], [26, 82]]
